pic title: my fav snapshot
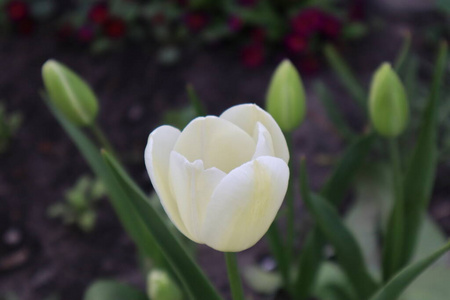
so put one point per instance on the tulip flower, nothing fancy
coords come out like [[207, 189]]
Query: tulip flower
[[222, 179]]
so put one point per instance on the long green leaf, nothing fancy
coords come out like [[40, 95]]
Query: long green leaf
[[333, 112], [348, 253], [334, 191], [193, 279], [395, 287], [125, 211], [421, 172], [346, 76]]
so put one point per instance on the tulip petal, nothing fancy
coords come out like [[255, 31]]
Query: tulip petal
[[244, 204], [192, 187], [157, 153], [217, 142], [264, 144], [246, 117]]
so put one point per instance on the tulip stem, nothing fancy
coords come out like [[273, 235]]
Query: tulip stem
[[290, 207], [102, 139], [237, 291]]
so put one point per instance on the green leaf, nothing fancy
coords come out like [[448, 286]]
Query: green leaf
[[113, 290], [396, 286], [348, 253], [346, 76], [420, 175], [334, 191], [403, 54], [193, 279], [443, 5], [124, 210], [333, 284], [333, 112], [195, 101], [431, 285]]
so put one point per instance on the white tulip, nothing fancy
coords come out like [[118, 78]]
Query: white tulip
[[222, 179]]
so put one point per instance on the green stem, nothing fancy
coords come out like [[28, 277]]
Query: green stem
[[290, 207], [233, 276], [394, 243], [102, 139], [278, 250]]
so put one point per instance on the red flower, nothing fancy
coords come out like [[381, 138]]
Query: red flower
[[331, 26], [296, 43], [252, 55], [115, 27], [99, 13], [85, 34], [235, 23], [258, 34], [17, 10], [25, 26], [196, 21], [307, 22]]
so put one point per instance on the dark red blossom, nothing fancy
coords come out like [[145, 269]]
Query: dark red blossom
[[235, 23], [331, 26], [25, 26], [308, 21], [296, 43], [99, 13], [85, 34], [17, 10], [115, 27], [196, 21], [253, 55]]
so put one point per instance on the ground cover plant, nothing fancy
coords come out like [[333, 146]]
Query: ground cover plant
[[254, 172]]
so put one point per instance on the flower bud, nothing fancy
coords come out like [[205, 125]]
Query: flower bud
[[286, 97], [388, 106], [161, 287], [69, 93]]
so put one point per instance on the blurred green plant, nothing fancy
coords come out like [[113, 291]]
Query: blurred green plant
[[79, 205], [9, 125]]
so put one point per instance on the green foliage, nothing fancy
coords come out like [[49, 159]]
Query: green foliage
[[9, 125], [113, 290], [78, 207]]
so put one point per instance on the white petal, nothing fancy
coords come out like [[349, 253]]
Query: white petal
[[244, 204], [192, 187], [246, 117], [157, 153], [217, 142], [264, 144]]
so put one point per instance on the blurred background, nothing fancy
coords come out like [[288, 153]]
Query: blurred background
[[139, 56]]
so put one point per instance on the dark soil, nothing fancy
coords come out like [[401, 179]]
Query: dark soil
[[134, 90]]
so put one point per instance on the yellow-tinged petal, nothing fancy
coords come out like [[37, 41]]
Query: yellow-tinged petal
[[246, 116], [244, 204], [264, 144], [157, 154], [217, 142], [192, 187]]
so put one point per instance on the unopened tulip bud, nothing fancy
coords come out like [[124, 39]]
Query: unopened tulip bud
[[286, 97], [388, 106], [69, 93], [161, 287]]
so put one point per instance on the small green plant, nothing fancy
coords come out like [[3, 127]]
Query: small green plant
[[78, 207], [9, 124]]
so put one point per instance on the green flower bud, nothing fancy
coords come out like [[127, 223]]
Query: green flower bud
[[388, 106], [161, 287], [69, 93], [286, 97]]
